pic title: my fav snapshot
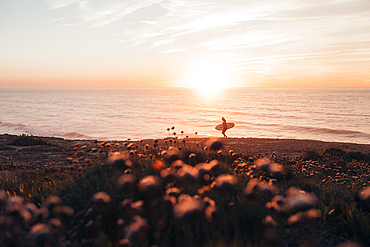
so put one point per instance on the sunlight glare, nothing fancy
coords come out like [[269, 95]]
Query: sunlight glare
[[209, 77]]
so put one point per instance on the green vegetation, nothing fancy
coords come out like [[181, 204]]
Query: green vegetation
[[129, 215], [29, 140], [35, 183]]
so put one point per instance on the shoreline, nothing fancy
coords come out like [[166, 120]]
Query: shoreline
[[68, 150]]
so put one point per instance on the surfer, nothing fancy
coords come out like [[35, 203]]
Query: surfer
[[224, 127]]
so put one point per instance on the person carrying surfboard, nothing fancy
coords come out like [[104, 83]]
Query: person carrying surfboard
[[224, 127]]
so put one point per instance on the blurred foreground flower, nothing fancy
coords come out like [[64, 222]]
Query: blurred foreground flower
[[304, 217], [271, 168], [101, 198], [127, 182], [119, 160], [188, 208], [225, 182], [365, 194], [269, 221], [40, 234], [348, 244], [300, 200], [149, 185], [214, 144], [136, 228], [256, 187]]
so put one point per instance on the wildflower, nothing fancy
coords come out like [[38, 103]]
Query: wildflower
[[173, 191], [172, 154], [189, 208], [304, 217], [187, 173], [255, 187], [215, 165], [40, 234], [299, 200], [149, 185], [136, 228], [158, 165], [169, 200], [211, 213], [348, 244], [214, 144], [14, 205], [66, 212], [278, 203], [269, 221], [365, 194], [208, 201], [168, 174], [277, 170], [42, 213], [101, 198], [119, 160], [263, 164], [55, 223], [225, 182], [138, 207], [124, 243], [126, 181], [192, 155], [178, 164]]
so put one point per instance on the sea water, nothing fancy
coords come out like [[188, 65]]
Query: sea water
[[341, 115]]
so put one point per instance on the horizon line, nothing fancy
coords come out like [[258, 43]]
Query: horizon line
[[159, 87]]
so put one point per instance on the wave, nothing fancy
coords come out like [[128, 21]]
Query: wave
[[304, 129], [326, 131], [15, 129]]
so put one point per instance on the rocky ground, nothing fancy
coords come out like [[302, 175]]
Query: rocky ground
[[67, 152]]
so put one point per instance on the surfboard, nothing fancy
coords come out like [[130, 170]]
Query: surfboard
[[228, 126]]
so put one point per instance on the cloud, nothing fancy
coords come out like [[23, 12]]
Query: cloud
[[56, 4], [101, 13], [255, 35], [61, 19]]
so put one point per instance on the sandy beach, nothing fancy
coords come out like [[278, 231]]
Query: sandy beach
[[66, 150]]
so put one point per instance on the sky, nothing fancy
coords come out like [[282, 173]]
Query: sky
[[170, 43]]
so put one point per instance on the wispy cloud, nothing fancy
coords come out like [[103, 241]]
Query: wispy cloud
[[61, 19], [56, 4], [101, 13], [256, 35]]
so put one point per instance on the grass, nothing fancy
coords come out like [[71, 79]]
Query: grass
[[238, 221], [29, 140], [34, 183]]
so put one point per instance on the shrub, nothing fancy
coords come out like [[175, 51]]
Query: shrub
[[336, 152], [311, 155], [29, 140], [357, 156]]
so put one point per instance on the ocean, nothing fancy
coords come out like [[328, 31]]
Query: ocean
[[341, 115]]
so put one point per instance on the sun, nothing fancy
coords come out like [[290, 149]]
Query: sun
[[209, 77]]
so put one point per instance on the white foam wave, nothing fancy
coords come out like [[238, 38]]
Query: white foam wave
[[40, 131]]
